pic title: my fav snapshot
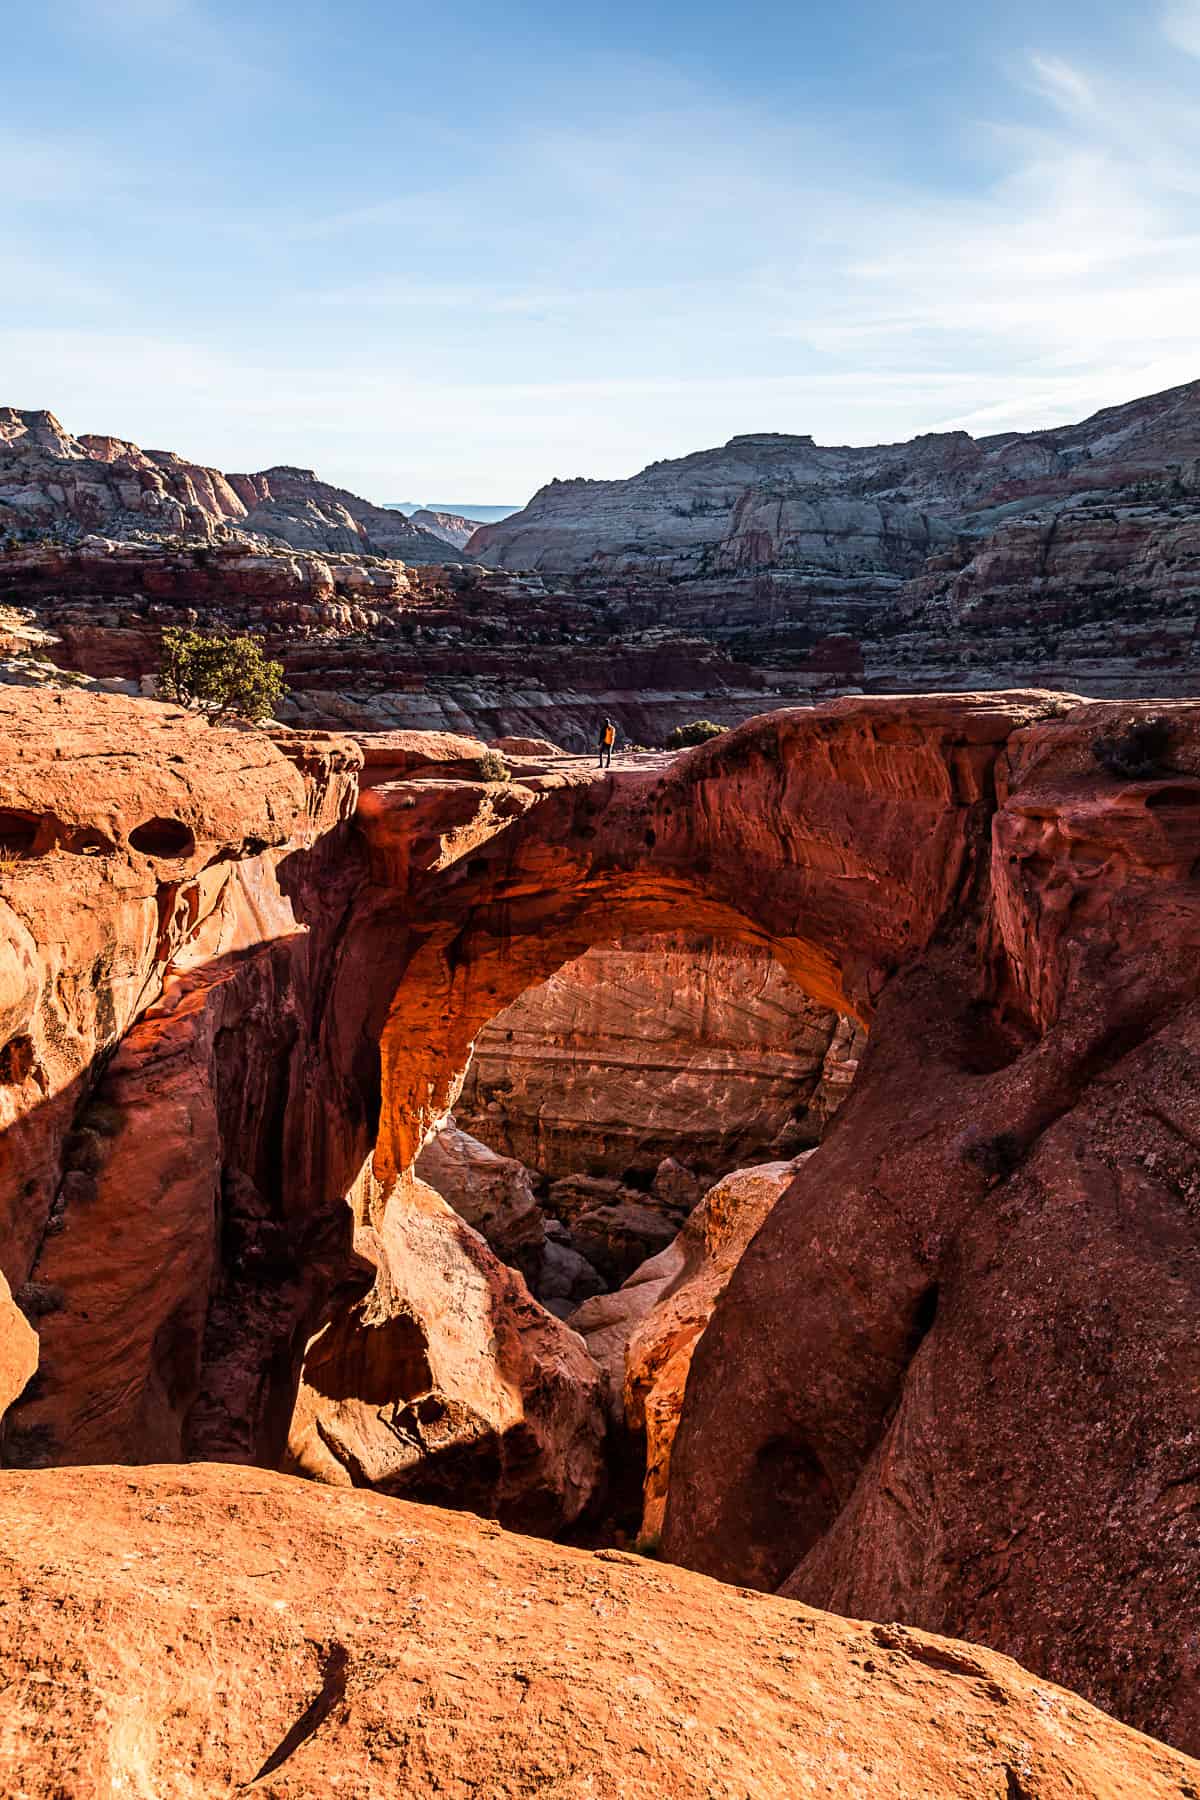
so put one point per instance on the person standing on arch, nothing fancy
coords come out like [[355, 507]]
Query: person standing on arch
[[608, 737]]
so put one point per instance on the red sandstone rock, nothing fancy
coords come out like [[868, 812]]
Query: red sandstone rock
[[658, 1355], [494, 1194], [951, 1376], [651, 1047], [18, 1350], [362, 1646], [449, 1382]]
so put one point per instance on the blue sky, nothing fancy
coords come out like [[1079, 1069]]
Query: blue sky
[[450, 252]]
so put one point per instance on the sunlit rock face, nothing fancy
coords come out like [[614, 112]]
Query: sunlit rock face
[[368, 1646], [950, 1380], [692, 1048], [68, 486]]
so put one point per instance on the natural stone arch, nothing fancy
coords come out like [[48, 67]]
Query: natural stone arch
[[842, 839]]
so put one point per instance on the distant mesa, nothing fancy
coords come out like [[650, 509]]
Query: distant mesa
[[478, 515]]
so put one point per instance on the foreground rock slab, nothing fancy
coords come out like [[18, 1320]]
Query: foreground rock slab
[[172, 1633]]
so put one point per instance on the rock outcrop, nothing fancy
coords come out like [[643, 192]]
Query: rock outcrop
[[183, 1191], [771, 500], [364, 1646], [447, 1382], [451, 526], [950, 1379], [659, 1352], [494, 1194], [68, 486], [769, 571], [693, 1048]]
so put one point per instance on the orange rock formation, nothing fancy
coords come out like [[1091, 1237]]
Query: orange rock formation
[[950, 1381], [193, 1632]]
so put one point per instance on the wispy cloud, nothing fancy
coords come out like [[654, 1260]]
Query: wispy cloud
[[1181, 22], [651, 274]]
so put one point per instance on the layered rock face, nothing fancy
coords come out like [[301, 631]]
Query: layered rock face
[[370, 1647], [950, 1379], [372, 643], [452, 527], [771, 499], [51, 481], [692, 1048], [1068, 557], [768, 571]]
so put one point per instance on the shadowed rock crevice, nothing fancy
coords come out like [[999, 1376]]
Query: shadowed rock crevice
[[1013, 920]]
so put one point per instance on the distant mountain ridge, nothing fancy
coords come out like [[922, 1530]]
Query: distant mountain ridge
[[480, 515], [54, 484], [773, 501]]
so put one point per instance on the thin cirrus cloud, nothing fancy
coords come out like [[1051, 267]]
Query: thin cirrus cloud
[[1181, 23], [649, 278]]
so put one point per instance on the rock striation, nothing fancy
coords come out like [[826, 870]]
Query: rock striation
[[69, 486], [950, 1380], [765, 572], [769, 499], [674, 1046]]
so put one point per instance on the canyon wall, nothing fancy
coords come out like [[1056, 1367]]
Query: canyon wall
[[672, 1046], [766, 572], [949, 1381]]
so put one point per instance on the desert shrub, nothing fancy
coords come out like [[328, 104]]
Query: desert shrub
[[219, 674], [492, 767], [698, 732], [1137, 752], [996, 1156]]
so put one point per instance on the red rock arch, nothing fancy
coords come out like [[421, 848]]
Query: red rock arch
[[841, 838]]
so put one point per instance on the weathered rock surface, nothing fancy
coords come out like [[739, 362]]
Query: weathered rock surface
[[52, 481], [451, 526], [494, 1194], [766, 572], [950, 1379], [18, 1350], [372, 1648], [183, 1189], [689, 1047], [771, 499], [448, 1382], [658, 1355]]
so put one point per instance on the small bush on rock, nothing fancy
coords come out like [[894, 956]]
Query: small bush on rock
[[1138, 752], [492, 767], [219, 674], [698, 732]]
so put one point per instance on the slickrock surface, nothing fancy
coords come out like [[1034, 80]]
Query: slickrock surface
[[185, 1164], [652, 1047], [659, 1353], [952, 1377], [184, 1633]]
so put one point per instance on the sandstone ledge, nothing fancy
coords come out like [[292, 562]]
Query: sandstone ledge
[[180, 1633]]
